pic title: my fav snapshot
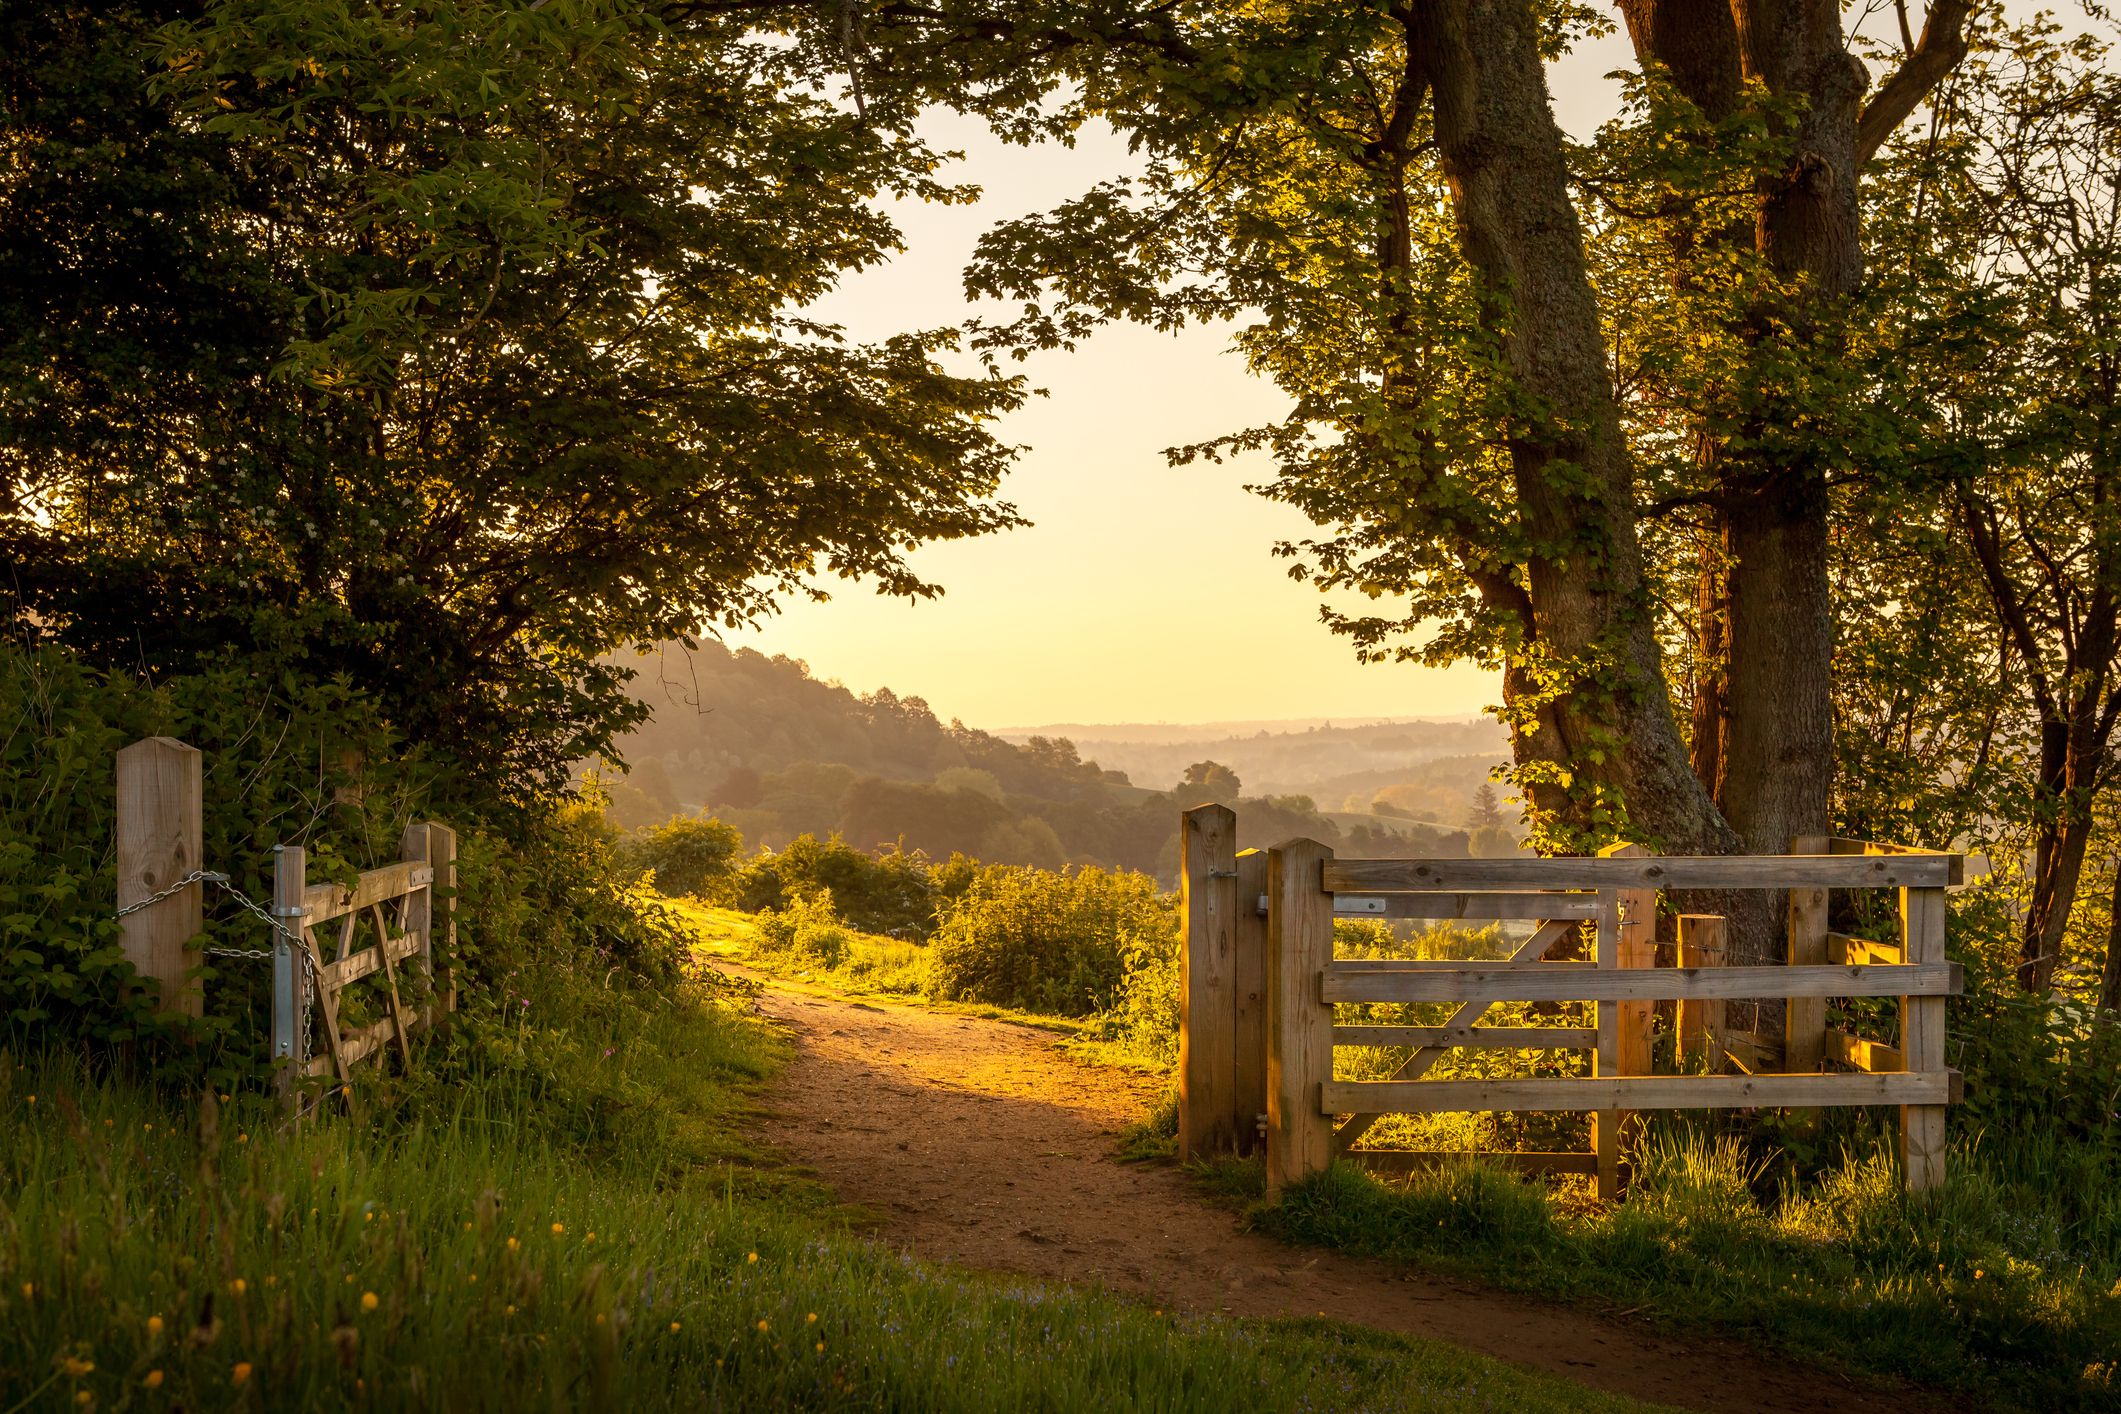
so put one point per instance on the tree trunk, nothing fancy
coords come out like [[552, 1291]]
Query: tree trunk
[[1611, 723], [2110, 980]]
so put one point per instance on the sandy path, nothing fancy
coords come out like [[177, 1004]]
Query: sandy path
[[977, 1142]]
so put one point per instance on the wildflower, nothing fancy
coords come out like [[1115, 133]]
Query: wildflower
[[153, 1379], [675, 1327], [811, 1319], [368, 1217], [76, 1369], [242, 1138], [1978, 1274], [154, 1325], [513, 1244], [591, 1238], [369, 1301], [508, 1310], [762, 1325], [751, 1257], [467, 1225], [149, 1128], [84, 1398], [558, 1228], [241, 1374], [472, 1279], [600, 1318], [821, 1347], [239, 1286]]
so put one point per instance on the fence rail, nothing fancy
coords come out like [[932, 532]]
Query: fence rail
[[1260, 985]]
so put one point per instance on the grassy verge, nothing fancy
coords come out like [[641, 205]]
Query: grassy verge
[[1972, 1292], [561, 1212]]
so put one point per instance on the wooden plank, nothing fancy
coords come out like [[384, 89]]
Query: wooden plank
[[442, 935], [1673, 871], [1849, 951], [1804, 1018], [327, 902], [1418, 1064], [390, 979], [353, 968], [1481, 906], [1703, 942], [1851, 1049], [1249, 1102], [1521, 1038], [1636, 1092], [417, 913], [292, 1025], [1922, 1137], [1398, 1162], [1565, 982], [160, 839], [1839, 845], [1627, 943], [1392, 966], [1207, 983], [1753, 1052], [356, 1046], [1300, 1025]]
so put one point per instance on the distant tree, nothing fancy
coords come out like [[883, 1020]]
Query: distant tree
[[1487, 813], [1491, 842], [690, 854], [1210, 780], [741, 788], [966, 778]]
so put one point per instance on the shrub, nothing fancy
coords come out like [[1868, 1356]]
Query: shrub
[[807, 933], [690, 854], [889, 893], [1053, 941]]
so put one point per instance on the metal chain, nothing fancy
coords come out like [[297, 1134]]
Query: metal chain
[[265, 915]]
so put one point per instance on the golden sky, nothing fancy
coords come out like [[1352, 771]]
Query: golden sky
[[1140, 592]]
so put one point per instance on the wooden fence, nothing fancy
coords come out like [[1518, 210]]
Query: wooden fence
[[1260, 983], [398, 920]]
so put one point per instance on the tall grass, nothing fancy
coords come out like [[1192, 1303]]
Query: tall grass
[[558, 1212]]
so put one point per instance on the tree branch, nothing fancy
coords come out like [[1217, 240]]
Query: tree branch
[[1937, 53]]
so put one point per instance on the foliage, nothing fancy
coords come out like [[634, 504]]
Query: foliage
[[452, 348], [1048, 941], [690, 854], [887, 893], [808, 934]]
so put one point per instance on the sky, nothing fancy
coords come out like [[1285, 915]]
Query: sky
[[1140, 592]]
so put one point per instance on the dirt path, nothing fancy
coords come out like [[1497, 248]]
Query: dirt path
[[979, 1143]]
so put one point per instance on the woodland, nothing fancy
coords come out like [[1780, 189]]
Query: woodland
[[385, 386]]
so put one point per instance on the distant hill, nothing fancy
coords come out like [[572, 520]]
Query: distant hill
[[762, 744]]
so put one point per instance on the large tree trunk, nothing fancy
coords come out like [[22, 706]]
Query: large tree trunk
[[1502, 154], [2071, 754]]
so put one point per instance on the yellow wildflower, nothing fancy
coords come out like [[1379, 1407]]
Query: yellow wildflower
[[154, 1325], [369, 1301], [153, 1379], [513, 1244], [75, 1369], [239, 1286], [751, 1257], [810, 1319], [762, 1325], [821, 1347], [675, 1327], [558, 1228], [241, 1374]]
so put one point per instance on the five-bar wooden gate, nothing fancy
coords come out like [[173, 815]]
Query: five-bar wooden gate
[[1260, 984]]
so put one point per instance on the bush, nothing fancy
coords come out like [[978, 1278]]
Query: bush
[[690, 854], [1048, 941], [807, 934], [888, 893]]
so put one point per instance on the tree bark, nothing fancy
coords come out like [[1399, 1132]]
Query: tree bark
[[2110, 980]]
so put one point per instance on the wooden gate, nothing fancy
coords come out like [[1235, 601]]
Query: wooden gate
[[1260, 982]]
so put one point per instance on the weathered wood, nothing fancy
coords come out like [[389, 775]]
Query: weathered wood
[[1804, 1018], [417, 914], [1398, 1162], [442, 932], [1482, 906], [1207, 987], [1752, 1052], [1675, 871], [1573, 982], [1249, 1103], [332, 902], [1627, 942], [1521, 1038], [160, 839], [1379, 966], [1637, 1092], [1702, 942], [355, 966], [1839, 845], [356, 1046], [291, 1026], [390, 981], [1851, 1049], [1300, 1026], [1922, 1039], [1418, 1064], [1848, 951]]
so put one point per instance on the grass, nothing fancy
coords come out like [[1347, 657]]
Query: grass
[[564, 1213], [1978, 1292]]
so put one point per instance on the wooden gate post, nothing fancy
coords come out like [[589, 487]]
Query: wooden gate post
[[161, 838], [1804, 1018], [1701, 1022], [1922, 1040], [1627, 937], [290, 891], [1207, 987], [432, 912], [1299, 1019], [1251, 1097]]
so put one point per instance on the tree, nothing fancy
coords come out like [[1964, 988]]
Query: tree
[[1486, 813], [1212, 781], [450, 348]]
